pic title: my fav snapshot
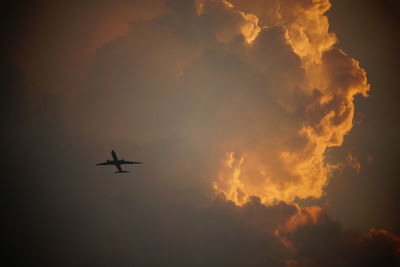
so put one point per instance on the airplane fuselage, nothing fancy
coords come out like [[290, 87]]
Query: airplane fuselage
[[118, 162]]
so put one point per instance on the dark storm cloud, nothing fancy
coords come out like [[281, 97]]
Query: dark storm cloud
[[318, 240]]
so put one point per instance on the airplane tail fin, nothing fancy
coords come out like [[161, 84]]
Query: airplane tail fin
[[122, 172]]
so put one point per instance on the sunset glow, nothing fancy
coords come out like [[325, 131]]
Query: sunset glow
[[200, 133], [300, 171]]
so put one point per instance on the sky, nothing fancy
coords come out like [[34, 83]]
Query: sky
[[267, 128]]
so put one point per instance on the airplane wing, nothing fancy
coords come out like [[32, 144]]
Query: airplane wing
[[106, 163], [128, 162]]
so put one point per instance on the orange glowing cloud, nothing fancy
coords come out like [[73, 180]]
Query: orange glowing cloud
[[315, 87], [258, 85], [304, 216]]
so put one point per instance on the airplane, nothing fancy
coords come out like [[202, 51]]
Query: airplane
[[118, 162]]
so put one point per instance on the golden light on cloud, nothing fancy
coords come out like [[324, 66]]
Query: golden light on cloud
[[293, 165], [305, 215], [232, 188], [239, 21], [258, 82], [250, 29], [234, 106]]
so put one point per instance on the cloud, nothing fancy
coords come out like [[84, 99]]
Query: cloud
[[353, 162], [232, 106], [62, 38], [277, 95], [378, 247], [318, 240]]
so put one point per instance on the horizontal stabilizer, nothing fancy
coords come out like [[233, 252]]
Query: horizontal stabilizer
[[121, 172]]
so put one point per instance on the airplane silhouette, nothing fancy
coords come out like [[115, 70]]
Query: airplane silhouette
[[118, 162]]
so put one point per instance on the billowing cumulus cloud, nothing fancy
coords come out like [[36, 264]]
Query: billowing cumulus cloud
[[264, 98], [231, 105]]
